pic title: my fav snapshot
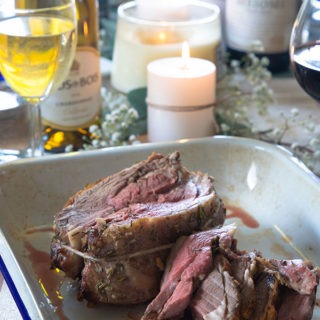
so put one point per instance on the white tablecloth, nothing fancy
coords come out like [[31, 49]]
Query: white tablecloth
[[8, 309], [289, 95]]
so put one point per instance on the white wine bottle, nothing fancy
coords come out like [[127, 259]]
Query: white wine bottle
[[68, 113], [261, 27]]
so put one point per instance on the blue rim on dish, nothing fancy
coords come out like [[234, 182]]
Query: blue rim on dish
[[14, 292]]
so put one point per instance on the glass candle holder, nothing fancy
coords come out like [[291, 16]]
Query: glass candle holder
[[142, 37]]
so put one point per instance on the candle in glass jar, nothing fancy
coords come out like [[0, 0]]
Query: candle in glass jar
[[180, 98], [162, 9], [139, 41]]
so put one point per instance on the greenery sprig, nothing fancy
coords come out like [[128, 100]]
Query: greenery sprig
[[114, 127]]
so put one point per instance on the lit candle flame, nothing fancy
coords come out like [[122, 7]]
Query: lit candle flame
[[185, 54], [162, 37]]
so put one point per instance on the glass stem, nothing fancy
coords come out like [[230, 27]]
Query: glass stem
[[36, 142]]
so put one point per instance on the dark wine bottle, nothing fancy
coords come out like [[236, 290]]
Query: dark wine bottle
[[262, 27]]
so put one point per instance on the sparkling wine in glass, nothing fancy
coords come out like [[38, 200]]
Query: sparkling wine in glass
[[37, 47], [305, 48]]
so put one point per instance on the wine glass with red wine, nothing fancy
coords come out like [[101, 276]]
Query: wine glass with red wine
[[305, 48]]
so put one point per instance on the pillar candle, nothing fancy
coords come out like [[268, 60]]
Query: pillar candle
[[180, 98]]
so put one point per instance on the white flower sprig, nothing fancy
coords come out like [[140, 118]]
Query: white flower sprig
[[245, 85], [245, 88], [117, 118]]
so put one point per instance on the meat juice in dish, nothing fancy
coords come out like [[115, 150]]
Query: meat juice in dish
[[245, 217], [157, 224]]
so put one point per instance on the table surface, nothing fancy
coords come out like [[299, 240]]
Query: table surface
[[288, 95], [8, 308]]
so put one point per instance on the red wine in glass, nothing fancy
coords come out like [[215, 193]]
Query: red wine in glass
[[306, 68]]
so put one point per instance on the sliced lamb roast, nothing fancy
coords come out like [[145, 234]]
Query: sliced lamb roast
[[218, 296], [115, 234], [295, 274], [267, 296], [244, 266], [189, 262], [234, 284], [303, 305]]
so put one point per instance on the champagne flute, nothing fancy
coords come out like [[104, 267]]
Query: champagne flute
[[305, 48], [37, 47]]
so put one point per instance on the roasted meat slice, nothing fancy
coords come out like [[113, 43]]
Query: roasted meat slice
[[267, 296], [218, 296], [244, 267], [208, 277], [295, 274], [303, 305], [190, 261], [115, 234], [298, 281]]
